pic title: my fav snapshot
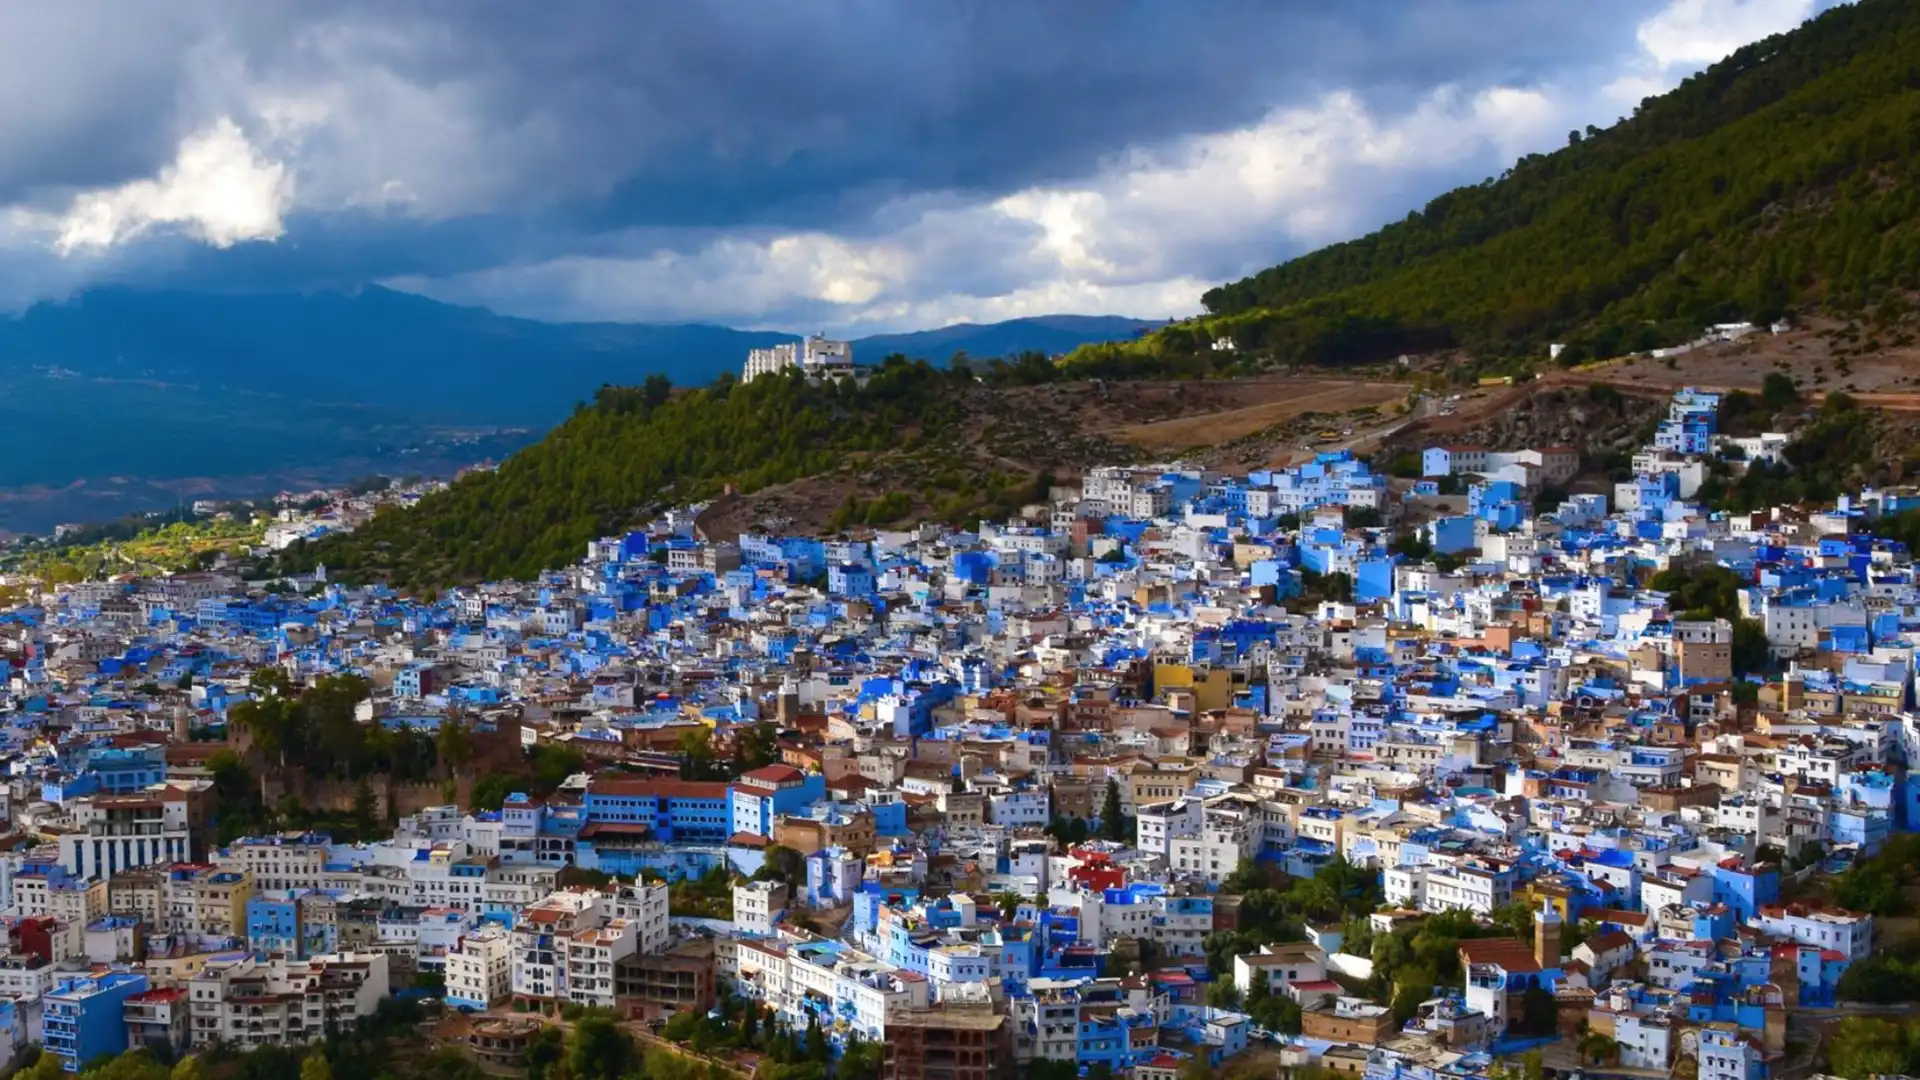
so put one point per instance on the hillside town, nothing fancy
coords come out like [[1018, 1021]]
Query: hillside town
[[1399, 777]]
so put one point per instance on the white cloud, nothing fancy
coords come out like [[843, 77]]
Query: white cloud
[[1695, 33], [219, 189]]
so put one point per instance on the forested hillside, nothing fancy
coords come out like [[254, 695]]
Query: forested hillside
[[1783, 176], [636, 449]]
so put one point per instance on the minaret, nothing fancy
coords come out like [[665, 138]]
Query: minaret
[[1546, 936]]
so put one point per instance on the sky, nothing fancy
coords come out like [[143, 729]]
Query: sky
[[853, 165]]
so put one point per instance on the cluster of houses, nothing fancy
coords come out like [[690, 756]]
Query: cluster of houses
[[1511, 717]]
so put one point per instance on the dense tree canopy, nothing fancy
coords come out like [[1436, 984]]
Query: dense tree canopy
[[633, 451]]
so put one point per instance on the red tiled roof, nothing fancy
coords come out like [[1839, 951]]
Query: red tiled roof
[[640, 787], [1509, 954], [1614, 915], [1607, 942], [1803, 908], [774, 774], [613, 828]]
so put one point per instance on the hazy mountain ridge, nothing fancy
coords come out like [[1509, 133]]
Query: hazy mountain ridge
[[157, 387], [1041, 333]]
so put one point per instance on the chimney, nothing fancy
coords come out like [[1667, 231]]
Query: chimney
[[1546, 936]]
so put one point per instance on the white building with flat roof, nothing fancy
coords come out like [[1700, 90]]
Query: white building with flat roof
[[816, 357], [480, 968]]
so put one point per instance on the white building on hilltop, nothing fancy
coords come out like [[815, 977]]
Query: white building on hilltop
[[816, 357]]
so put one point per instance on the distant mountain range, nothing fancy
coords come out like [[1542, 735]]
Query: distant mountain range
[[1042, 333], [119, 390], [374, 348], [381, 349]]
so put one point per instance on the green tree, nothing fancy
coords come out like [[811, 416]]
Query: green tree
[[273, 724], [1222, 994], [655, 391], [366, 811], [785, 865], [1111, 825], [546, 1053], [1247, 876], [1751, 651], [759, 745], [1539, 1013], [136, 1064], [1777, 392], [1411, 546], [45, 1067], [696, 754], [818, 1050], [861, 1060], [1863, 1047], [599, 1050], [1412, 987], [1888, 977], [490, 791], [1289, 1019], [315, 1067], [454, 741], [1877, 885], [551, 764]]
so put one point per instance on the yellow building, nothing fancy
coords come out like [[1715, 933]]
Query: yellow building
[[1553, 892], [1212, 688], [177, 970], [208, 901]]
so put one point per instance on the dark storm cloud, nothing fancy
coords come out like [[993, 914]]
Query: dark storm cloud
[[723, 112], [809, 115]]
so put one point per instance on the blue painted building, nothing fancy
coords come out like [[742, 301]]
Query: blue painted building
[[851, 580], [273, 925], [83, 1016], [674, 811], [761, 796], [1744, 890]]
